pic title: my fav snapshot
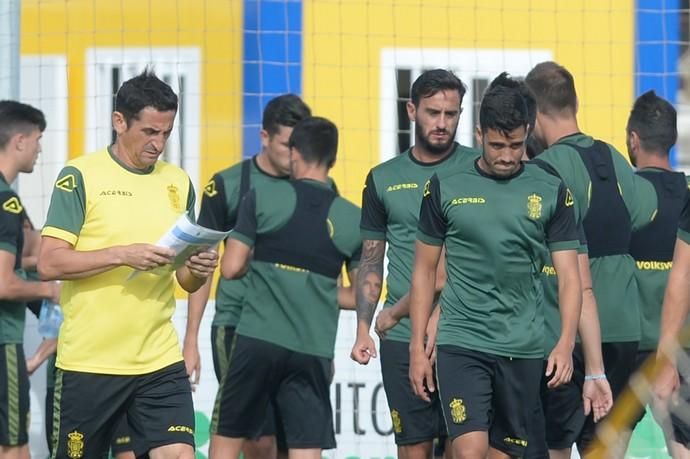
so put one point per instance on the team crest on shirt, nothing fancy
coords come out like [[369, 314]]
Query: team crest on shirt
[[210, 189], [534, 206], [458, 412], [67, 183], [174, 196], [12, 205], [397, 424], [75, 445], [569, 201]]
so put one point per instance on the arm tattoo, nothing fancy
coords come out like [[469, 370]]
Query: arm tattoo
[[369, 279]]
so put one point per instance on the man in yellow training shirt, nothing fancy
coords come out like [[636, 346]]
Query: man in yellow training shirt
[[118, 351]]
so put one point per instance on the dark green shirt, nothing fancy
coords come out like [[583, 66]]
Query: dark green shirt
[[652, 274], [612, 276], [12, 215], [495, 231], [287, 304], [390, 212], [219, 207]]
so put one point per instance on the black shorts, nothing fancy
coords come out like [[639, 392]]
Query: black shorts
[[121, 441], [222, 339], [413, 419], [297, 383], [565, 419], [221, 346], [490, 393], [88, 407], [537, 447], [14, 396]]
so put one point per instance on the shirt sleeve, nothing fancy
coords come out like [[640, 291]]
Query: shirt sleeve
[[67, 209], [191, 201], [374, 219], [583, 239], [432, 225], [562, 231], [684, 222], [11, 218], [213, 213], [245, 228], [638, 193]]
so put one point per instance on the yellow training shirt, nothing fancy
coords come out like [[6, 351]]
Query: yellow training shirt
[[115, 324]]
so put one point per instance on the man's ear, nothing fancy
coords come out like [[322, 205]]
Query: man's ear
[[119, 123]]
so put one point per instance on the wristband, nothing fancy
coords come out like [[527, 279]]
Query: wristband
[[595, 377]]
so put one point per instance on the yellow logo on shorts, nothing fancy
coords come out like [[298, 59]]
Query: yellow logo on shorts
[[189, 430], [515, 441], [458, 411], [397, 424], [75, 445], [534, 206], [123, 440]]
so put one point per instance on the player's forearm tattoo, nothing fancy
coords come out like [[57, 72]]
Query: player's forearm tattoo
[[369, 279]]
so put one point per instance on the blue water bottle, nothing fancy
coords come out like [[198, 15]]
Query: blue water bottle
[[49, 319]]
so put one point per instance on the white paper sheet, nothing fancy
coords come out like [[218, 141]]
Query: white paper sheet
[[186, 238]]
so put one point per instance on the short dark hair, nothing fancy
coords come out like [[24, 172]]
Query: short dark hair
[[503, 107], [530, 101], [653, 118], [554, 88], [316, 139], [433, 81], [144, 90], [16, 117], [286, 110]]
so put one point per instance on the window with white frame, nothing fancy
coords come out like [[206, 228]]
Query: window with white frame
[[108, 68], [476, 68]]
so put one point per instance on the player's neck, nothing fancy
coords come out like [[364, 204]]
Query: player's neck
[[120, 152], [310, 172], [645, 160], [266, 166], [424, 156], [556, 129], [8, 167]]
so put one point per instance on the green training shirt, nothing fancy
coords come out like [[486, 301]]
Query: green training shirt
[[287, 304], [652, 247], [495, 230], [390, 212], [219, 205], [612, 276], [12, 216]]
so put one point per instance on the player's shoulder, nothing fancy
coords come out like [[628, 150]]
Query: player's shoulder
[[230, 172], [392, 165], [10, 203], [96, 161], [173, 171], [346, 206], [274, 189], [542, 174], [451, 173]]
